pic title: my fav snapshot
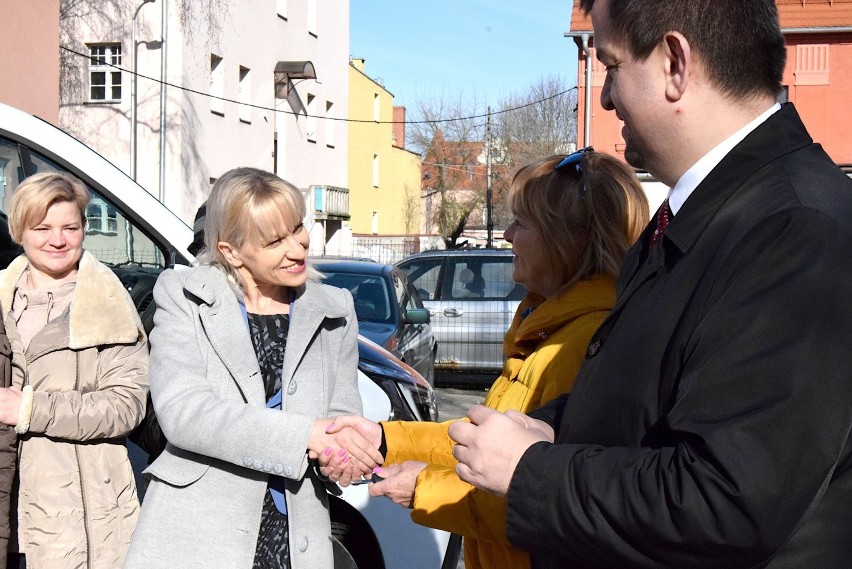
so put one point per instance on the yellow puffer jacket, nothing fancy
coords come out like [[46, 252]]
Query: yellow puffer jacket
[[544, 351]]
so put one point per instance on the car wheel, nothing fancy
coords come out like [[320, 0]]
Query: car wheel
[[342, 558], [354, 547]]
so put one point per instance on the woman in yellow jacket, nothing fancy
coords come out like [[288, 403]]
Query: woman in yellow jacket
[[575, 217]]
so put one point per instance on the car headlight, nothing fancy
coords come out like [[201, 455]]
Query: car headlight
[[409, 401]]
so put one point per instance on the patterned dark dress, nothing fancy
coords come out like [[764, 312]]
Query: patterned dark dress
[[269, 337]]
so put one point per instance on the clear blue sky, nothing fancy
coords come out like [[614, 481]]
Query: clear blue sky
[[483, 48]]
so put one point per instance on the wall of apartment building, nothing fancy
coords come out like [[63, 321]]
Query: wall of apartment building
[[246, 124], [29, 67], [384, 177]]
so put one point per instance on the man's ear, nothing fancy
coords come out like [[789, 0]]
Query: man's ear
[[231, 254], [679, 64]]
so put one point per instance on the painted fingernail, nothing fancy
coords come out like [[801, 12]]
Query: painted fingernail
[[345, 460], [328, 451], [341, 452], [329, 427]]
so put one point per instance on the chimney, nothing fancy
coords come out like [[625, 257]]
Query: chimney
[[399, 127]]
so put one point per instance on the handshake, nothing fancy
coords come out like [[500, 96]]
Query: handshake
[[486, 449], [347, 451]]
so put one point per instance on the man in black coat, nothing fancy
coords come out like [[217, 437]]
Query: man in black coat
[[710, 424]]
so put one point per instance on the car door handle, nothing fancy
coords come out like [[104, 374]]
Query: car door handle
[[453, 312]]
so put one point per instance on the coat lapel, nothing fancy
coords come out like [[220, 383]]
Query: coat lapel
[[227, 331], [312, 306]]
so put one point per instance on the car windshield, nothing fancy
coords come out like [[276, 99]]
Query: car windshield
[[370, 292]]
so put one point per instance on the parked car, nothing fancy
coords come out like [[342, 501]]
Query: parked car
[[472, 299], [389, 310], [132, 232]]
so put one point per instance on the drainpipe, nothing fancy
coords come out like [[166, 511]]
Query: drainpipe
[[587, 131], [163, 79], [587, 118]]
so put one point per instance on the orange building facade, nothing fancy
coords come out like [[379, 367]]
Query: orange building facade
[[817, 78]]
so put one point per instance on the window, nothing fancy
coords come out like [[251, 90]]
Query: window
[[376, 107], [101, 218], [375, 170], [312, 17], [330, 124], [281, 8], [217, 85], [245, 94], [311, 120], [104, 80], [375, 223], [112, 237]]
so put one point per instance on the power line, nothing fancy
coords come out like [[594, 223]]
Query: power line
[[348, 120]]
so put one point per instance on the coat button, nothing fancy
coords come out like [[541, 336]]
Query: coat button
[[247, 461], [291, 387], [303, 544], [288, 471], [594, 347], [267, 467], [278, 469], [257, 465]]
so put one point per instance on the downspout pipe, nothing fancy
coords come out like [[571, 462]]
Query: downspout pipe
[[587, 111]]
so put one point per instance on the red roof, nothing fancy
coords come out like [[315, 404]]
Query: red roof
[[793, 13]]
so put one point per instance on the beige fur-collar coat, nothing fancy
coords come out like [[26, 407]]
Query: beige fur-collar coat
[[88, 367]]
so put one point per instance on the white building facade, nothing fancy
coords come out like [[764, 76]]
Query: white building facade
[[248, 83]]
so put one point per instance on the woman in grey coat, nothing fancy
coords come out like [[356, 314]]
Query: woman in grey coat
[[235, 487]]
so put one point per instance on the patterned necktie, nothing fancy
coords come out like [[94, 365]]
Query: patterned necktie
[[663, 218]]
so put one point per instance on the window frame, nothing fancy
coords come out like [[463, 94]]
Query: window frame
[[108, 63]]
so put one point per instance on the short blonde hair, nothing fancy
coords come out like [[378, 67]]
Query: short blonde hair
[[246, 206], [589, 219], [37, 193]]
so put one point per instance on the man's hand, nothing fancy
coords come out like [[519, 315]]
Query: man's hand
[[399, 481], [491, 445]]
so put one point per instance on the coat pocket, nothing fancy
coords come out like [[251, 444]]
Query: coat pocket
[[178, 467]]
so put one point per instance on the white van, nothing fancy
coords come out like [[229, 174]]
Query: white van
[[133, 233]]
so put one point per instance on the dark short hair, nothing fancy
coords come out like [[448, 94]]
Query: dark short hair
[[739, 42]]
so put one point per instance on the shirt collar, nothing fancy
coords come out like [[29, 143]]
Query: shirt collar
[[696, 174]]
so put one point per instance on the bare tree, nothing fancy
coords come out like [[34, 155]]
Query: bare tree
[[410, 209], [450, 139], [533, 124]]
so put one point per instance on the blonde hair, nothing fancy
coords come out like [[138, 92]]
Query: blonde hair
[[37, 193], [246, 206], [589, 218]]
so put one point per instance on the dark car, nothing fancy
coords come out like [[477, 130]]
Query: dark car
[[389, 310]]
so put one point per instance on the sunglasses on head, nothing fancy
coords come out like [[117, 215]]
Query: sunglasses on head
[[574, 159]]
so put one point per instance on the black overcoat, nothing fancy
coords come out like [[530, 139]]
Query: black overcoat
[[709, 426]]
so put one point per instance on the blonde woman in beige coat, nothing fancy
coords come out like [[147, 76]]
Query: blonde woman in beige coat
[[80, 380]]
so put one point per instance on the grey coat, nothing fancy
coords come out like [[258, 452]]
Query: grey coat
[[203, 505]]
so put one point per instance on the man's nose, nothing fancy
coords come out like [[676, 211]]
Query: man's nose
[[606, 99]]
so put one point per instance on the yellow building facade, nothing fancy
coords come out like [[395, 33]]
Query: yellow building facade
[[384, 177]]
